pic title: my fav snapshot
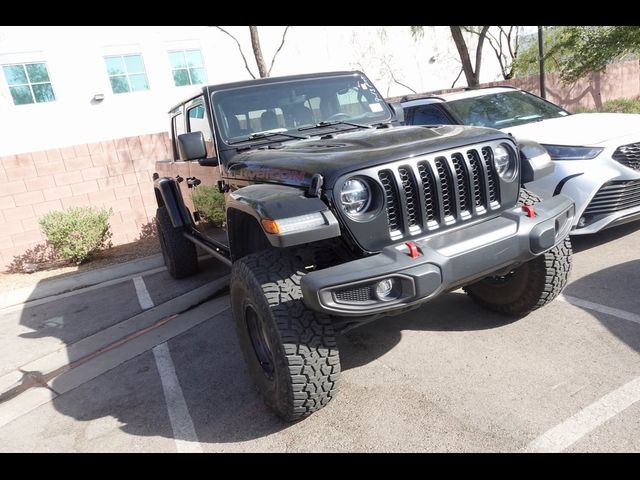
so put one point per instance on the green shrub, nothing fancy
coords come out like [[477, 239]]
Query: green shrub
[[210, 203], [619, 105], [77, 233]]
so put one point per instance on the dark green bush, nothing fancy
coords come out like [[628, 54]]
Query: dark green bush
[[210, 203], [77, 233]]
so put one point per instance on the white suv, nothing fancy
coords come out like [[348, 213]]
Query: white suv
[[596, 155]]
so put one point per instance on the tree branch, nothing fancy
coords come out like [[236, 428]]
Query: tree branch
[[246, 65], [279, 48]]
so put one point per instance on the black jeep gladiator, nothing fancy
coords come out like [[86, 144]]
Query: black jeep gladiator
[[335, 216]]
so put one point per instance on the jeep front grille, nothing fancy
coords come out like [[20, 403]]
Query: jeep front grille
[[615, 196], [628, 155], [424, 194]]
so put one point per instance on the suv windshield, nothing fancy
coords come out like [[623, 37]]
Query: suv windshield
[[247, 113], [502, 110]]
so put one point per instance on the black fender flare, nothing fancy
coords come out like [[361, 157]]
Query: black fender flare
[[168, 195], [277, 202]]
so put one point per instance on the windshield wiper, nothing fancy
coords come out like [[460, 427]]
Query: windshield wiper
[[257, 135], [332, 123]]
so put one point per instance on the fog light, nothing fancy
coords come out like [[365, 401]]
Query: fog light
[[582, 222], [387, 290]]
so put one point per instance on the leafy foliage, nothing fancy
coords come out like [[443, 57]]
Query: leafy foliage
[[77, 233], [619, 105], [210, 203], [577, 51]]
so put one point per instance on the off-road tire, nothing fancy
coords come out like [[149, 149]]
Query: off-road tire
[[180, 255], [299, 372], [531, 285]]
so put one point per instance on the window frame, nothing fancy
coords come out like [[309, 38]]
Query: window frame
[[29, 82], [127, 74], [187, 68]]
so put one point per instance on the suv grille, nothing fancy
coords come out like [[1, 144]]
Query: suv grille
[[428, 193], [615, 196], [628, 155]]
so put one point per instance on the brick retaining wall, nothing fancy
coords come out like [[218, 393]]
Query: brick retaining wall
[[114, 173]]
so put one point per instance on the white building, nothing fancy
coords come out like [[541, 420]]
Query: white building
[[62, 86]]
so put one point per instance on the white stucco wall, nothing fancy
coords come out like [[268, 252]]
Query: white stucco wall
[[74, 57]]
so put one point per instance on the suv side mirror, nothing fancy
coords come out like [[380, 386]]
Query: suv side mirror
[[191, 146]]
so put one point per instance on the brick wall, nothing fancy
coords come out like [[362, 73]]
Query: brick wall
[[115, 173], [619, 80]]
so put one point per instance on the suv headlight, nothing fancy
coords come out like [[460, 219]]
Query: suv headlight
[[562, 152], [355, 196], [504, 159]]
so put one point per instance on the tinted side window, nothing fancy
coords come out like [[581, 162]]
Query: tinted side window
[[429, 115], [197, 122]]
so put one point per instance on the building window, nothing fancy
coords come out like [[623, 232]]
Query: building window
[[187, 67], [29, 83], [126, 73]]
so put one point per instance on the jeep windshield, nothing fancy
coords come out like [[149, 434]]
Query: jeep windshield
[[502, 110], [291, 109]]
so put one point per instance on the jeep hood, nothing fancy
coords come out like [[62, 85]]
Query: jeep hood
[[588, 129], [295, 162]]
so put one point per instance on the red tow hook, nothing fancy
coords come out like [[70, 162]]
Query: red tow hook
[[413, 249], [529, 211]]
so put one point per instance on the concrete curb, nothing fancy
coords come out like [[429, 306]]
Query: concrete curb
[[50, 287]]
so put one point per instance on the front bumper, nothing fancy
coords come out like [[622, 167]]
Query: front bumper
[[581, 180], [445, 261]]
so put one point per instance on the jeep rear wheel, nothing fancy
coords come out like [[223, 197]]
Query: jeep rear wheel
[[180, 255], [291, 351], [531, 285]]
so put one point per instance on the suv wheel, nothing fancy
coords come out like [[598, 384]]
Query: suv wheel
[[531, 285], [180, 255], [291, 351]]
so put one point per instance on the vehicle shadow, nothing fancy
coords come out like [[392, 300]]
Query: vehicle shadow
[[614, 287], [585, 242], [221, 397]]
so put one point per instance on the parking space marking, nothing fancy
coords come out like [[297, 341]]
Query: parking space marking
[[143, 294], [184, 433], [574, 428], [615, 312], [60, 296]]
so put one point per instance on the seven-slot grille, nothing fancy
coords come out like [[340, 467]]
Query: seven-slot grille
[[424, 194], [628, 155], [615, 196]]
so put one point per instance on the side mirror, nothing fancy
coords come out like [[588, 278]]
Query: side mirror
[[191, 146]]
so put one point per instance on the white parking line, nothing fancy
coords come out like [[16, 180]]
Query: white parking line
[[143, 294], [615, 312], [184, 432], [574, 428]]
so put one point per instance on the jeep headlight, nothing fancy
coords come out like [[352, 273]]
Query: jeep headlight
[[504, 160], [355, 196]]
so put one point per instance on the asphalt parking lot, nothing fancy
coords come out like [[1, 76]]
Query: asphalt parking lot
[[447, 377]]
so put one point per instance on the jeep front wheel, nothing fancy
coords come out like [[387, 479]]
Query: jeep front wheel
[[291, 351], [531, 285], [180, 255]]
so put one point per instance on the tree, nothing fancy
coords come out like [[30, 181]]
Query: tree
[[471, 71], [263, 71], [577, 51], [593, 48], [505, 43]]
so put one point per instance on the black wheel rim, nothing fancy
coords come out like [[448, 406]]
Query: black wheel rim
[[257, 334]]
